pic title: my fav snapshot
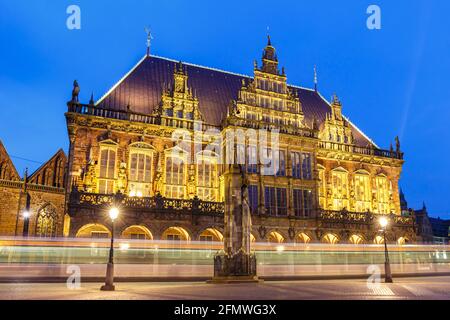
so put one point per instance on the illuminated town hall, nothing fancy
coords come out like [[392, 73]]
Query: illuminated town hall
[[326, 181]]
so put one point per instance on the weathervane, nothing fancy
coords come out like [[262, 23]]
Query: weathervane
[[149, 39]]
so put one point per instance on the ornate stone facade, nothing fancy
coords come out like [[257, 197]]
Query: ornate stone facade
[[328, 184]]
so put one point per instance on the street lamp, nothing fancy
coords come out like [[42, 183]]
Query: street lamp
[[26, 222], [26, 215], [109, 281], [387, 266]]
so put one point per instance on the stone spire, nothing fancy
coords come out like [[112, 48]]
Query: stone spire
[[269, 58]]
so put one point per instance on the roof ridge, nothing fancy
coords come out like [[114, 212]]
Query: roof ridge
[[186, 63], [121, 80]]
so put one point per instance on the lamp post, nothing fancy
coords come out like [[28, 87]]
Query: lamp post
[[26, 216], [387, 266], [109, 281]]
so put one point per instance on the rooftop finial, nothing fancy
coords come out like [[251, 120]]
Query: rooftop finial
[[92, 101], [149, 39], [269, 43], [315, 78]]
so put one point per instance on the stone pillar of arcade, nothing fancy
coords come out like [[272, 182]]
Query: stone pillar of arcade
[[236, 263]]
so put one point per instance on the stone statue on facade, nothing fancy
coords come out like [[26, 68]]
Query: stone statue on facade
[[75, 91]]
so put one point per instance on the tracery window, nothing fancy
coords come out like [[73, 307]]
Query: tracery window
[[382, 187], [362, 192], [207, 179], [339, 180], [140, 171], [107, 170], [175, 177], [46, 222]]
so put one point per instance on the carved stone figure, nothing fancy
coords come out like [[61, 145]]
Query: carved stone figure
[[75, 91]]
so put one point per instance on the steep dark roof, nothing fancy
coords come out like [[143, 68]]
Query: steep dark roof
[[142, 87]]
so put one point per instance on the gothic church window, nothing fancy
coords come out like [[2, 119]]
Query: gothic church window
[[46, 222]]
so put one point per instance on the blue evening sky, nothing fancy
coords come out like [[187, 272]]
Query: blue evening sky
[[393, 81]]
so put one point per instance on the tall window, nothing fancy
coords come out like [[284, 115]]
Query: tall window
[[107, 170], [274, 163], [253, 198], [46, 222], [275, 201], [340, 187], [382, 194], [322, 188], [175, 177], [140, 175], [301, 165], [252, 159], [362, 193], [306, 166], [303, 202], [207, 176]]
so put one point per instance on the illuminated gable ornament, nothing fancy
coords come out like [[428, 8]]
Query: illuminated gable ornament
[[336, 128], [178, 100]]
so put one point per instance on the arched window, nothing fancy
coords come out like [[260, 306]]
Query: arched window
[[362, 192], [382, 187], [378, 240], [207, 178], [339, 178], [356, 239], [275, 237], [46, 222], [140, 170], [303, 238], [175, 177], [107, 170], [176, 234], [330, 239]]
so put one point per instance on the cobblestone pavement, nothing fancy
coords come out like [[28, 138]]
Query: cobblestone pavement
[[405, 288]]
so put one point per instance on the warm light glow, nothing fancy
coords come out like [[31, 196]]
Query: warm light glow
[[26, 214], [124, 246], [280, 248], [383, 222], [113, 213], [139, 194], [132, 193]]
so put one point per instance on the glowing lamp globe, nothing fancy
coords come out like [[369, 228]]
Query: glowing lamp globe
[[383, 222], [113, 213]]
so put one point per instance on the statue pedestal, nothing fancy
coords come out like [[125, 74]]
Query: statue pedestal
[[239, 268]]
